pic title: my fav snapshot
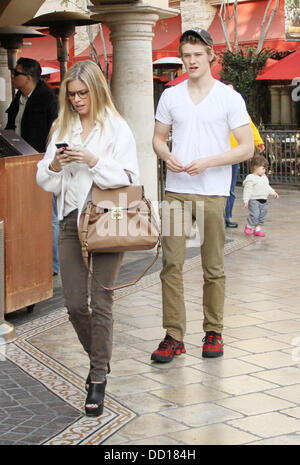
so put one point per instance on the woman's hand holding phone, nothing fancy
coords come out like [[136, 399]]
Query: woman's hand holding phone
[[79, 154], [61, 157]]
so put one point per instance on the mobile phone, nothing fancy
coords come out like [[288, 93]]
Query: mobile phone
[[59, 145]]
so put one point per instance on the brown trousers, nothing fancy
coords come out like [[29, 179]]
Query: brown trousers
[[211, 222], [94, 329]]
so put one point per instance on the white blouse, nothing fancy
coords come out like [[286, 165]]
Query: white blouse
[[116, 148]]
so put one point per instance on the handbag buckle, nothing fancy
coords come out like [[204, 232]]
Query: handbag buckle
[[117, 213]]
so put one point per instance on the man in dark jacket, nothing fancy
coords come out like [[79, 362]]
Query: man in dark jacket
[[31, 114], [34, 107]]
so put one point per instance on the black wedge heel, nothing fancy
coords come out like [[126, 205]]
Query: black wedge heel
[[96, 394]]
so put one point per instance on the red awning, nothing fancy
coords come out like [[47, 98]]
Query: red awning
[[165, 41], [250, 15], [166, 38], [287, 68]]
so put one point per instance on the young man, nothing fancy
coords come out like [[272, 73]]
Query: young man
[[201, 113]]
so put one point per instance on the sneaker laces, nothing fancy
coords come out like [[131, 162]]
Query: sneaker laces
[[167, 340], [210, 338]]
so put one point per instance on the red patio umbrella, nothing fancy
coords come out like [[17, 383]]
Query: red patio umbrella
[[285, 69]]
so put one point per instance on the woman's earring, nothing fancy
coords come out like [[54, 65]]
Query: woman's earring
[[72, 108]]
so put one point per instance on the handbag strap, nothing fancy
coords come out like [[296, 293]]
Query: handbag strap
[[85, 253], [84, 233], [129, 283]]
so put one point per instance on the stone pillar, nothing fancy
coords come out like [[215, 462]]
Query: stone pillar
[[197, 13], [275, 104], [5, 87], [286, 106], [132, 80]]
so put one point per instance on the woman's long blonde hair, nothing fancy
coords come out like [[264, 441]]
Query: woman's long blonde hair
[[90, 74]]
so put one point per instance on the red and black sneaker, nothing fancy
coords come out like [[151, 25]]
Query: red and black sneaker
[[213, 345], [167, 349]]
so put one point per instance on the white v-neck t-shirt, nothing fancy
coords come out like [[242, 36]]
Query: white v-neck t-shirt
[[200, 131]]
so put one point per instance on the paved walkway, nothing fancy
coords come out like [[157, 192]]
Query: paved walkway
[[249, 396]]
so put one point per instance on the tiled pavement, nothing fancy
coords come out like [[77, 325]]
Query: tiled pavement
[[249, 396]]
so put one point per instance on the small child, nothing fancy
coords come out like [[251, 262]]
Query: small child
[[255, 195]]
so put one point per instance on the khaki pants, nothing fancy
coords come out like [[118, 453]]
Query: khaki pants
[[95, 329], [212, 255]]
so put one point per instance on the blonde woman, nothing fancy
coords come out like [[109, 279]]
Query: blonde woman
[[98, 147]]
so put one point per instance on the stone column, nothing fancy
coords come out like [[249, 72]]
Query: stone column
[[275, 104], [132, 80], [5, 87], [286, 106]]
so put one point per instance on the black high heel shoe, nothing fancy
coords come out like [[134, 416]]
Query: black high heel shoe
[[88, 379], [96, 394]]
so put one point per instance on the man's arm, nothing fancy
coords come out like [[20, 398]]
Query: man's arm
[[161, 132], [242, 152]]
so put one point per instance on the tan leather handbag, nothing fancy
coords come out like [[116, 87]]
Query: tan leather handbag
[[119, 220]]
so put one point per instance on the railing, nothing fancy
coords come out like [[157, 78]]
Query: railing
[[282, 150]]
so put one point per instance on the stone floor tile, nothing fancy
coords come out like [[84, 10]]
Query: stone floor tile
[[145, 321], [255, 296], [123, 352], [155, 441], [190, 394], [195, 339], [283, 376], [218, 434], [248, 332], [239, 321], [270, 360], [283, 326], [254, 404], [115, 439], [259, 345], [147, 334], [130, 385], [177, 362], [284, 440], [273, 315], [146, 403], [128, 367], [293, 412], [267, 424], [201, 414], [224, 368], [150, 425], [239, 385], [178, 376], [290, 393], [264, 305]]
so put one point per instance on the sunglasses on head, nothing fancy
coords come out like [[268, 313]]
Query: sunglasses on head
[[15, 72]]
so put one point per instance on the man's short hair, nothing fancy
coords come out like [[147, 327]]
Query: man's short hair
[[30, 67]]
